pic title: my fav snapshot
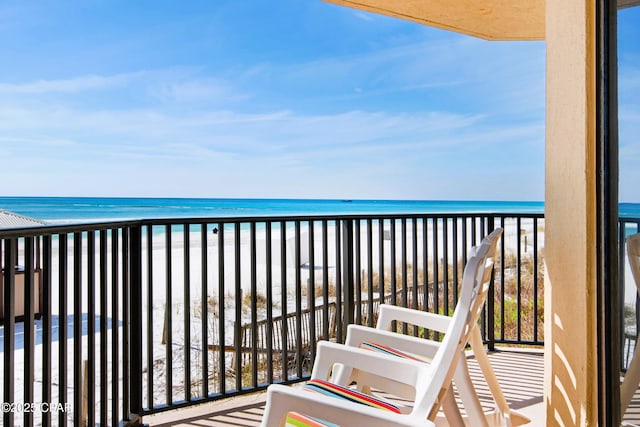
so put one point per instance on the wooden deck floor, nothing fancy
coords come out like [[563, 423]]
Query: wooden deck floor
[[520, 374]]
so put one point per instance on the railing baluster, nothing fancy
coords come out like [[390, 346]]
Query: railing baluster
[[103, 329], [91, 327], [204, 310], [29, 322], [474, 232], [370, 272], [168, 317], [77, 325], [404, 269], [10, 257], [338, 259], [489, 313], [222, 385], [325, 280], [238, 305], [254, 306], [126, 335], [414, 270], [392, 260], [63, 335], [502, 282], [347, 274], [47, 337], [135, 316], [414, 253], [358, 273], [269, 308], [535, 279], [298, 300], [311, 293], [381, 239], [425, 264], [519, 277], [403, 248], [115, 325], [283, 300], [445, 265], [186, 287], [436, 268], [456, 259], [150, 385]]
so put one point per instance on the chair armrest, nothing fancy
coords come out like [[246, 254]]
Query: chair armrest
[[431, 321], [283, 399], [358, 334], [329, 354]]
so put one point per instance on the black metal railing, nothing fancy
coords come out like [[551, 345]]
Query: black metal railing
[[142, 316], [73, 365]]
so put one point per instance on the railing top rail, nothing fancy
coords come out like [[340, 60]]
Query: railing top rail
[[291, 218], [97, 226], [7, 233], [629, 219]]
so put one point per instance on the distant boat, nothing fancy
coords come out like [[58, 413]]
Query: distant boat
[[347, 200]]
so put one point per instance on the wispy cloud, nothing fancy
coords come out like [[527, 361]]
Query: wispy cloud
[[364, 16], [74, 85]]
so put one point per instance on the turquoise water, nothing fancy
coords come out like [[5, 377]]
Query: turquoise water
[[83, 209], [71, 209]]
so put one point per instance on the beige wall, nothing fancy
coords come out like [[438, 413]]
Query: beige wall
[[570, 245]]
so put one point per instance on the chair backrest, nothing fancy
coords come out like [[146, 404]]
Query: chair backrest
[[475, 285], [633, 254], [484, 277]]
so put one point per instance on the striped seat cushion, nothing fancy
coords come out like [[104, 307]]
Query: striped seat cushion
[[394, 352], [346, 393], [295, 419]]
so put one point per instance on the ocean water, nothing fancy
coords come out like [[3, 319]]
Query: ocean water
[[90, 209]]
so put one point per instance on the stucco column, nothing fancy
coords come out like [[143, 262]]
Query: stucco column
[[570, 215]]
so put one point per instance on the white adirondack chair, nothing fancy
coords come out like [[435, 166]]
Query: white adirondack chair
[[429, 384], [382, 339]]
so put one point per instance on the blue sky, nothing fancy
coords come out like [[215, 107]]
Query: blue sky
[[294, 98]]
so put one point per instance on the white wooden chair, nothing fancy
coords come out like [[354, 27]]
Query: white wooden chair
[[429, 385], [421, 350], [632, 376]]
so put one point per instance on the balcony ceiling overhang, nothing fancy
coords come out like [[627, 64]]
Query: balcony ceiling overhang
[[486, 19]]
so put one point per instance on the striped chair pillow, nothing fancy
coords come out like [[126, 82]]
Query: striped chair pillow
[[295, 419], [394, 352], [346, 393]]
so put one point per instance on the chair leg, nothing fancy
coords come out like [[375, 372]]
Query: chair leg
[[631, 381], [451, 409], [487, 371], [468, 394]]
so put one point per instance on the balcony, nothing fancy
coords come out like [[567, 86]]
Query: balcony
[[141, 318]]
